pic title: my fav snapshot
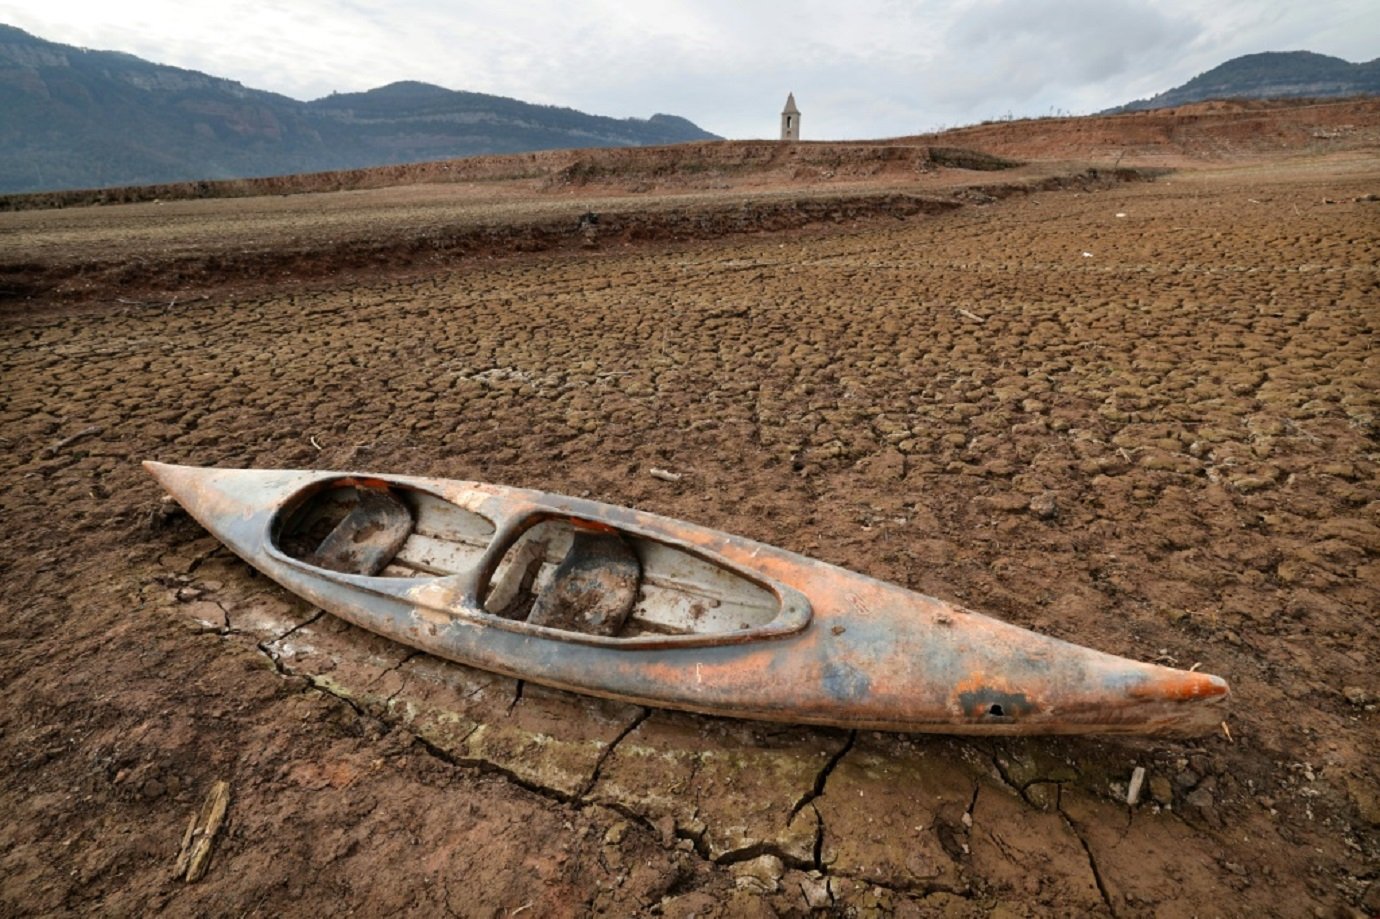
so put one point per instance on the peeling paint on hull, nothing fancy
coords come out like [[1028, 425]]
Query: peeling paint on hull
[[843, 649]]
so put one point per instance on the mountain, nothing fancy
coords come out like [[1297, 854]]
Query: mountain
[[76, 118], [1270, 75]]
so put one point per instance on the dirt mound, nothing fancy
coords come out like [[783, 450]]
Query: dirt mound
[[692, 165], [1203, 132], [212, 244]]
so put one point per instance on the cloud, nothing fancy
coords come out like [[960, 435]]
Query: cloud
[[876, 68], [1016, 51]]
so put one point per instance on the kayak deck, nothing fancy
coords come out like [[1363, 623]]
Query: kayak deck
[[567, 573]]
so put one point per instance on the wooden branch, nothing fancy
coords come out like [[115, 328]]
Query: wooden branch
[[195, 855], [68, 441]]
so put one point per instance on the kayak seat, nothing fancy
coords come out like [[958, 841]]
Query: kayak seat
[[594, 589], [368, 537]]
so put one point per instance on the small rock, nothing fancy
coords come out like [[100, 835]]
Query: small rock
[[615, 833], [188, 594], [761, 874], [817, 893], [1202, 802], [206, 613], [1341, 470], [885, 464], [1371, 900], [1200, 797], [1365, 795], [1293, 571], [687, 906], [167, 511], [1356, 695], [1044, 795], [152, 789], [1044, 505], [666, 829], [1161, 792], [1248, 484]]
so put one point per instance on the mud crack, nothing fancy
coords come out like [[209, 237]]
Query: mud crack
[[412, 653], [817, 852], [1087, 849], [758, 849], [485, 766], [609, 747], [1073, 828], [698, 839], [822, 778], [1020, 788], [265, 647]]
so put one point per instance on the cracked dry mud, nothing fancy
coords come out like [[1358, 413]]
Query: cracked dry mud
[[1164, 448]]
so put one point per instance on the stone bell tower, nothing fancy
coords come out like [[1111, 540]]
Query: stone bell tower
[[790, 119]]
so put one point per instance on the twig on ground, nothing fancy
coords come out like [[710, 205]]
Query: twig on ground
[[1137, 780], [92, 431], [195, 854]]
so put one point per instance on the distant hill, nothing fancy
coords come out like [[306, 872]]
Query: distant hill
[[1270, 75], [74, 118]]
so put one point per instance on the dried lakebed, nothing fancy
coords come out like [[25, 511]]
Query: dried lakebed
[[1163, 448]]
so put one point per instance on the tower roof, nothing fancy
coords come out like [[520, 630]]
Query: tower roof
[[790, 108]]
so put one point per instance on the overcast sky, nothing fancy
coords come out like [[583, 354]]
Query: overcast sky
[[859, 68]]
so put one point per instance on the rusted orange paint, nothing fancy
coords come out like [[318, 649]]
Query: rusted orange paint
[[845, 650]]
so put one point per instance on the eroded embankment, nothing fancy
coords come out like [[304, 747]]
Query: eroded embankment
[[101, 278], [674, 163]]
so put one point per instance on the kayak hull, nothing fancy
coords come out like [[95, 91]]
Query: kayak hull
[[839, 649]]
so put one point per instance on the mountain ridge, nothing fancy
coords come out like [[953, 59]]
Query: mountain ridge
[[1268, 75], [84, 118]]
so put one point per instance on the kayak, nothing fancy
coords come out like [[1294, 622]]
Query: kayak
[[614, 602]]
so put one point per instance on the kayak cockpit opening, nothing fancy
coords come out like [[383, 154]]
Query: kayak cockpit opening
[[582, 575], [374, 529], [557, 571]]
